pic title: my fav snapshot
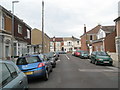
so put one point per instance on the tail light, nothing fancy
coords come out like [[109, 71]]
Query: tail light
[[41, 65]]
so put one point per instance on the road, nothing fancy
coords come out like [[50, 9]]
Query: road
[[73, 72]]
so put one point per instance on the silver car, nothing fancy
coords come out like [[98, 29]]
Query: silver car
[[11, 76]]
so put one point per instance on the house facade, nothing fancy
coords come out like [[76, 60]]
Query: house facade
[[117, 21], [105, 39], [56, 44], [88, 37], [71, 44], [67, 44], [21, 37], [36, 41], [5, 33]]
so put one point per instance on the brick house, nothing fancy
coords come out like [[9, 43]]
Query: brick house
[[5, 33], [88, 37], [117, 21], [67, 44], [22, 35], [56, 44], [105, 39]]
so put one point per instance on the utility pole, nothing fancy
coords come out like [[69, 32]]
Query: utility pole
[[12, 41], [42, 26]]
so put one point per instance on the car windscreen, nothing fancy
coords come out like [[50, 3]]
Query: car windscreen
[[50, 54], [102, 53], [28, 60], [84, 52]]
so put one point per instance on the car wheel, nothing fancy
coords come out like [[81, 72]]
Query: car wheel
[[90, 61], [51, 70], [46, 75], [96, 62]]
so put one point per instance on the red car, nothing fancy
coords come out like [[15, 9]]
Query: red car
[[77, 53]]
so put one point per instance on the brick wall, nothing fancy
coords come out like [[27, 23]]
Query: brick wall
[[83, 43], [110, 42], [98, 44]]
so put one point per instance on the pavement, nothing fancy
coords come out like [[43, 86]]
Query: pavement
[[73, 72]]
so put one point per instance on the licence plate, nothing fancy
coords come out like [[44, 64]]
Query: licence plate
[[106, 61], [28, 73]]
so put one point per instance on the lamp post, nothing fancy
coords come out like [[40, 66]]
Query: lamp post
[[12, 42], [54, 43], [42, 26]]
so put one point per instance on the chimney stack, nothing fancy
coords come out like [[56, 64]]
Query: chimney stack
[[84, 29]]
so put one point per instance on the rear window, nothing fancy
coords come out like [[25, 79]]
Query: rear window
[[28, 60], [102, 53]]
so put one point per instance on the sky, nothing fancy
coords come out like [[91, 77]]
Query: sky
[[65, 18]]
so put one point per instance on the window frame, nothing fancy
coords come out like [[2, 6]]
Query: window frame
[[10, 77], [28, 33], [20, 29], [3, 23]]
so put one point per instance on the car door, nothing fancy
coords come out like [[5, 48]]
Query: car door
[[17, 78], [92, 55], [5, 81], [48, 63]]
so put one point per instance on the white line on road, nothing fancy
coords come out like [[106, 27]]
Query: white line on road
[[115, 68], [67, 57], [57, 61], [96, 70]]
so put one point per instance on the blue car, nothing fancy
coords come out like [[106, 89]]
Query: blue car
[[12, 77], [35, 66]]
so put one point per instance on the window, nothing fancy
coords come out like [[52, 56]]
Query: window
[[3, 22], [77, 42], [69, 43], [91, 38], [6, 77], [28, 33], [13, 71], [20, 29], [96, 48]]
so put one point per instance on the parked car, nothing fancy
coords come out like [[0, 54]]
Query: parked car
[[84, 54], [11, 76], [101, 57], [56, 55], [77, 53], [35, 66], [52, 58], [62, 52]]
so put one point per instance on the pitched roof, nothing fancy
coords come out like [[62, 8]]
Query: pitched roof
[[57, 39], [117, 19], [94, 30], [108, 29]]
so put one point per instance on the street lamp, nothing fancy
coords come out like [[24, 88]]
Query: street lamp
[[12, 43], [42, 26], [54, 43]]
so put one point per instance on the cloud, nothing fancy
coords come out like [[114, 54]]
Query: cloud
[[66, 17]]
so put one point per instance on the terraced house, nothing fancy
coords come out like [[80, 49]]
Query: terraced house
[[22, 35], [36, 41], [5, 33], [67, 44]]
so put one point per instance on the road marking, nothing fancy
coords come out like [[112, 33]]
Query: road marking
[[97, 70], [115, 68], [57, 61], [67, 57]]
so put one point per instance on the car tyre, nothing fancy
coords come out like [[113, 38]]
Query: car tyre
[[90, 61], [51, 70], [46, 75], [96, 63]]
